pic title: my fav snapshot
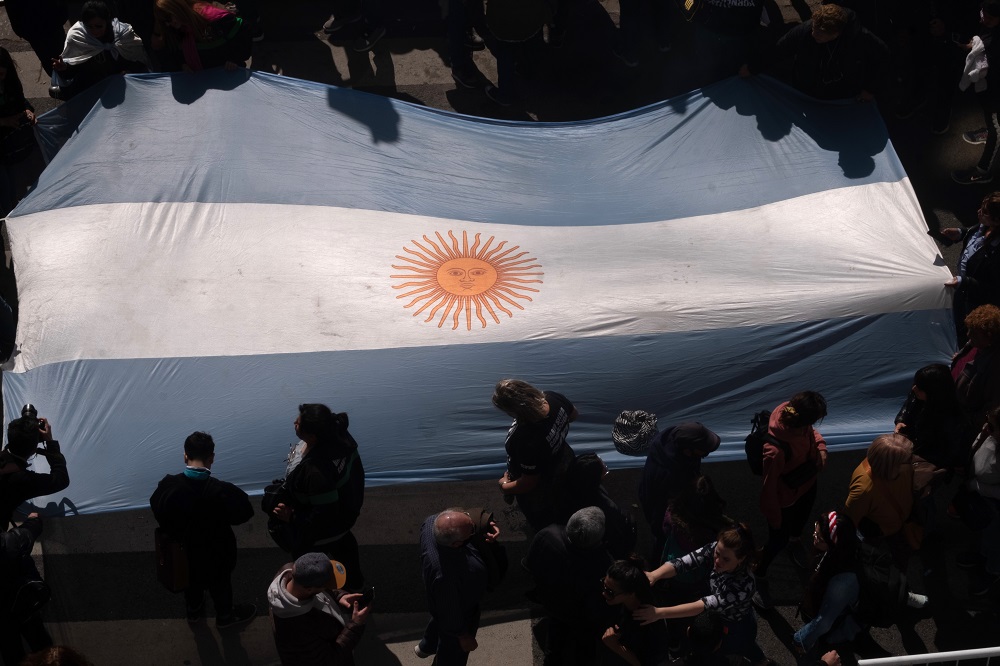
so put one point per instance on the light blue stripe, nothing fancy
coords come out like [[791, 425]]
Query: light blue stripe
[[425, 413], [226, 137]]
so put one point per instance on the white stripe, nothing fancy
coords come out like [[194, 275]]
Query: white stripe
[[194, 279]]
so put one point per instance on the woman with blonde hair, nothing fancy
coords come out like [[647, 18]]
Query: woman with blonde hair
[[537, 453], [880, 500]]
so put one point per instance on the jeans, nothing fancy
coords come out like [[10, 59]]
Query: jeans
[[840, 596], [741, 638]]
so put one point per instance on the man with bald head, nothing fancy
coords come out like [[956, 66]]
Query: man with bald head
[[456, 578]]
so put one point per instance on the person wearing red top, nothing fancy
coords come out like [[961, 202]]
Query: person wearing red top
[[790, 468]]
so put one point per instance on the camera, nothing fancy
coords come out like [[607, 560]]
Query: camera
[[30, 414]]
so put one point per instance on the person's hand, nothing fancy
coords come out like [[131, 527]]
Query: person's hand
[[610, 636], [59, 65], [30, 115], [900, 427], [822, 459], [744, 71], [952, 283], [360, 616], [864, 96], [831, 658], [646, 614], [493, 533], [33, 514], [952, 233], [347, 601], [45, 428], [282, 513], [467, 642], [652, 579]]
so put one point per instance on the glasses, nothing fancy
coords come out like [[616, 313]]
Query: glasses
[[608, 592]]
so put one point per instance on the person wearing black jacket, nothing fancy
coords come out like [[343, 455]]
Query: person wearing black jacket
[[199, 510], [831, 56], [16, 568], [978, 279], [18, 484], [325, 481]]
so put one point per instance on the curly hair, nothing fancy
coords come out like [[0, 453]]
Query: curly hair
[[829, 19], [986, 320]]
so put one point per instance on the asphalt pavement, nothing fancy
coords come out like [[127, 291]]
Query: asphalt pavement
[[106, 601]]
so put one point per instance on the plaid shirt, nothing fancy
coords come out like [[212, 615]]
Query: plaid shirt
[[731, 592]]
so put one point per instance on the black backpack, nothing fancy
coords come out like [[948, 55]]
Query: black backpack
[[756, 440], [883, 591]]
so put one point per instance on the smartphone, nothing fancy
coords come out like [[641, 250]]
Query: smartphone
[[366, 597]]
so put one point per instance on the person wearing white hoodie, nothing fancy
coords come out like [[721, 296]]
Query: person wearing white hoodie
[[305, 602]]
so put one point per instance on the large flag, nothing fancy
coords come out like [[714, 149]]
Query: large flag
[[208, 251]]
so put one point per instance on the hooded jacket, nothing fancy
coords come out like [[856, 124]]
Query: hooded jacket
[[312, 631]]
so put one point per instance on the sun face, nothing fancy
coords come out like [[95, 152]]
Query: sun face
[[453, 282]]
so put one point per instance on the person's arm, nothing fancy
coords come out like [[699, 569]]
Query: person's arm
[[647, 614], [523, 484], [820, 444], [58, 477], [351, 634], [774, 466], [238, 507], [612, 642], [17, 542]]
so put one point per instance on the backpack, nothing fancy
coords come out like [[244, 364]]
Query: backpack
[[756, 440], [883, 590]]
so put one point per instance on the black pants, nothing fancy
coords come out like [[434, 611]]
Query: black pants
[[220, 588], [793, 519], [990, 116], [13, 630]]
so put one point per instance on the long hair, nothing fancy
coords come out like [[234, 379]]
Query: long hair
[[837, 531], [803, 409], [184, 11], [936, 381], [329, 428], [519, 399]]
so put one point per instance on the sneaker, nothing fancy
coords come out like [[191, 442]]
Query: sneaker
[[334, 25], [499, 96], [982, 585], [914, 600], [242, 614], [970, 559], [469, 78], [194, 614], [367, 41], [473, 41], [974, 176], [975, 137], [629, 56], [420, 653]]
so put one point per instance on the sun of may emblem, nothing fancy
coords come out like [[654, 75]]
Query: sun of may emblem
[[448, 280]]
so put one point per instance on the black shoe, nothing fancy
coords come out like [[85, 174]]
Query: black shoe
[[367, 41], [982, 585], [973, 176], [970, 560], [473, 42], [469, 78], [242, 614], [194, 614], [334, 25], [498, 96]]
